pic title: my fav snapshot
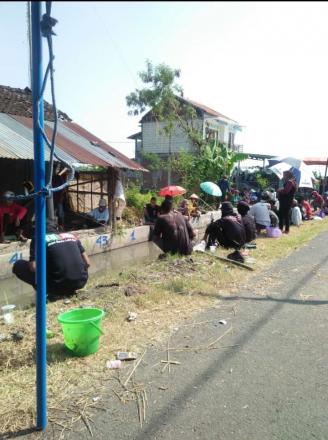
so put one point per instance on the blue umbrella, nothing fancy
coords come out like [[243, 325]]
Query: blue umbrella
[[211, 188]]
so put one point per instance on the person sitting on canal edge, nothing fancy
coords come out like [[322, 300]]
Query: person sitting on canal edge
[[247, 220], [194, 209], [261, 213], [101, 214], [11, 216], [173, 233], [151, 211], [228, 231], [67, 263]]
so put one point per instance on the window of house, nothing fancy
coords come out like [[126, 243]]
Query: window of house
[[231, 141]]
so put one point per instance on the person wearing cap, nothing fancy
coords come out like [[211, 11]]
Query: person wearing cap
[[228, 231], [67, 263], [100, 214], [11, 216]]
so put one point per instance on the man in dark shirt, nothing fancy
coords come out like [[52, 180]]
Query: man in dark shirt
[[67, 263], [286, 197], [247, 220], [172, 232], [224, 186], [228, 231], [151, 212]]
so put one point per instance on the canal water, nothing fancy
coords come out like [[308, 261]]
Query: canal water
[[14, 291]]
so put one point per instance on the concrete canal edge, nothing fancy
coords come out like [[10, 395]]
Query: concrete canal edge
[[106, 252]]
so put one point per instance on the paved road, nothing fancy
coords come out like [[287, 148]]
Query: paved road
[[267, 381]]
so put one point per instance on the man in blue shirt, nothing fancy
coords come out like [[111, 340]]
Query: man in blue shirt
[[100, 214], [224, 186]]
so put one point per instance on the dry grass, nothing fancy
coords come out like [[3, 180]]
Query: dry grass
[[170, 291]]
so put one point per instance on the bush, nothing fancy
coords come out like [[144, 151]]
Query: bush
[[136, 200]]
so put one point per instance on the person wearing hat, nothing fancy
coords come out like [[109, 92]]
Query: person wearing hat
[[100, 214], [11, 216], [194, 210], [228, 231]]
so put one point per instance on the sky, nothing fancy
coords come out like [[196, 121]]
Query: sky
[[264, 64]]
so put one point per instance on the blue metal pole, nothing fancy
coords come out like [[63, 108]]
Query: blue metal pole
[[40, 218]]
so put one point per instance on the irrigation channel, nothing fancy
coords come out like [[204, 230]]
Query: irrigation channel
[[107, 255]]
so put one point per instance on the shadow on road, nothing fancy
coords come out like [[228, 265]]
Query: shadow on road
[[166, 415], [271, 298]]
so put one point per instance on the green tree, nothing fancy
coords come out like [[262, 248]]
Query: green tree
[[152, 161], [162, 95], [213, 161], [262, 180]]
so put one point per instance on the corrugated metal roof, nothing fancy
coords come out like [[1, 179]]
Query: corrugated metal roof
[[16, 141], [84, 143], [78, 154], [130, 164]]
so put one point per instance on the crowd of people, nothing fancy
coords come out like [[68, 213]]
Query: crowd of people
[[243, 218], [241, 222]]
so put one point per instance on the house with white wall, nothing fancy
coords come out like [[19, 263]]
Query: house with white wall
[[210, 124]]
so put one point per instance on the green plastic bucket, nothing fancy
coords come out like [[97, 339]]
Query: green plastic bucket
[[81, 329]]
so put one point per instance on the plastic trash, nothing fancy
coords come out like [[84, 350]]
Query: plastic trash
[[50, 334], [273, 232], [17, 336], [200, 247], [8, 315], [113, 365], [132, 316], [126, 356], [212, 249], [223, 322]]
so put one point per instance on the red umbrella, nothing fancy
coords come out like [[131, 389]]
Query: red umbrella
[[172, 190]]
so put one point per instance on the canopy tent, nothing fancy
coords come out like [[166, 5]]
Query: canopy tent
[[303, 174]]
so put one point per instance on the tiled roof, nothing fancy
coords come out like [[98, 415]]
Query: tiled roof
[[14, 101], [200, 108], [208, 110], [315, 160]]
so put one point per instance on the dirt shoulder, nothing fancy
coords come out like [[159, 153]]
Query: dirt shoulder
[[263, 375], [166, 296]]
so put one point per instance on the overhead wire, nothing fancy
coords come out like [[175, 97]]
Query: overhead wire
[[47, 24], [116, 46]]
